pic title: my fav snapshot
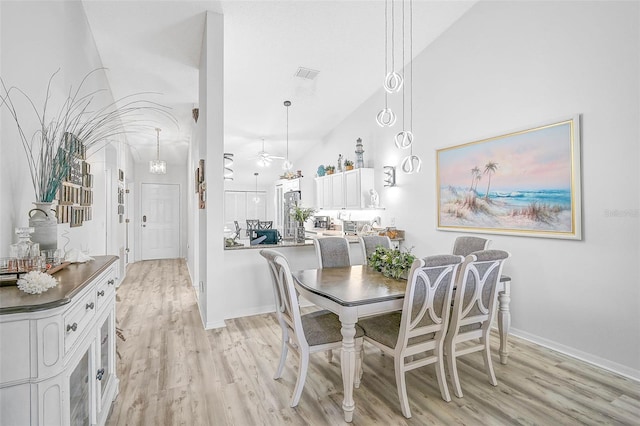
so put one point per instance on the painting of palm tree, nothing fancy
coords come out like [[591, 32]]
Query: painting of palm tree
[[489, 169], [532, 183]]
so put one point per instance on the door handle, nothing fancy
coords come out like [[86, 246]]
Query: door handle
[[144, 218]]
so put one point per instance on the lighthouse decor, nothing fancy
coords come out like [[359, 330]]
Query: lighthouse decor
[[359, 151]]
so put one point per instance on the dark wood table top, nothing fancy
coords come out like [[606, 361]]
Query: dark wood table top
[[351, 286], [72, 280]]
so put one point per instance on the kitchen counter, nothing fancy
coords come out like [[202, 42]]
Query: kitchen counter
[[246, 245]]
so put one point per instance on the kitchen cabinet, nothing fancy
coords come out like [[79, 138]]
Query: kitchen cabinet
[[346, 190], [58, 349]]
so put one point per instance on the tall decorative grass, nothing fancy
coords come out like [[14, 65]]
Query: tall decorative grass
[[49, 148]]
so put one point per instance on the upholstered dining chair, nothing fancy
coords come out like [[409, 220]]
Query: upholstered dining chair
[[314, 332], [421, 326], [368, 244], [464, 246], [332, 252], [474, 307]]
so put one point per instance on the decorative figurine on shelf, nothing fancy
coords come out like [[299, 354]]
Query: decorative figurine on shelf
[[340, 162], [359, 151], [348, 165], [375, 199], [321, 171]]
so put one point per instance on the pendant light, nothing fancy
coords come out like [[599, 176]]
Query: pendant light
[[392, 81], [287, 165], [158, 166], [404, 138], [411, 163]]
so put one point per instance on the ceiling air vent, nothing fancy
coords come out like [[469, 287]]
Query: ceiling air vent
[[306, 73]]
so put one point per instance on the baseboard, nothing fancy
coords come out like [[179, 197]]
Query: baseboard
[[606, 364], [258, 310], [214, 324]]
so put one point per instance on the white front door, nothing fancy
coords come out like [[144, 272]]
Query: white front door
[[160, 221]]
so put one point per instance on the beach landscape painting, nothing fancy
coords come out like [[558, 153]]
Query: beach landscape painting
[[525, 182]]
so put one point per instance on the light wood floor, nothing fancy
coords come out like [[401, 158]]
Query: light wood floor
[[173, 372]]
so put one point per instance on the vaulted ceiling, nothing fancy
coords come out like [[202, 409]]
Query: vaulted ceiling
[[154, 46]]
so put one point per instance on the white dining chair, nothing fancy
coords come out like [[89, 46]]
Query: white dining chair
[[464, 246], [421, 326], [332, 252], [474, 307], [368, 244], [314, 332]]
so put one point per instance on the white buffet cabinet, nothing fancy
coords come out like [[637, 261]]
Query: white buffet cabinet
[[58, 364], [345, 190]]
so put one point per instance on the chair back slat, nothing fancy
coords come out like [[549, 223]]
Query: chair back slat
[[427, 300], [477, 290], [286, 296]]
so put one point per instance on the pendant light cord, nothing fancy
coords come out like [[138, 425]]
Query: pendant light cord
[[404, 85], [157, 144], [386, 48], [410, 69]]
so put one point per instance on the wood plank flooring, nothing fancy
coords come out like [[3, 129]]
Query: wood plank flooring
[[173, 372]]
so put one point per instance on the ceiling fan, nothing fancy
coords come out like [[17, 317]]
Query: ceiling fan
[[264, 158]]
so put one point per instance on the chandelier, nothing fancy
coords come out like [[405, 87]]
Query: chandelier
[[158, 166]]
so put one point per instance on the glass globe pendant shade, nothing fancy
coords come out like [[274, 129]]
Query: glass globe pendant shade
[[404, 139], [386, 118], [393, 82], [411, 164], [158, 167], [287, 165]]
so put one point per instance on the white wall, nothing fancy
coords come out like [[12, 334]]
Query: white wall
[[37, 38], [504, 66]]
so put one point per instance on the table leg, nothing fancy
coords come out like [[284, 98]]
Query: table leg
[[504, 318], [348, 363]]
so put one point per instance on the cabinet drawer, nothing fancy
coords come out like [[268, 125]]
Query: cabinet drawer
[[104, 289], [76, 320]]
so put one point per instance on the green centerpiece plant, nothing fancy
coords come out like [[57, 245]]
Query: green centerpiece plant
[[301, 215], [392, 263]]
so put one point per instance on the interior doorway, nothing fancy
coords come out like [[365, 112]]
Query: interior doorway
[[159, 221]]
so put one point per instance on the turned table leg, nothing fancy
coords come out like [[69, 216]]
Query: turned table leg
[[348, 364], [504, 317]]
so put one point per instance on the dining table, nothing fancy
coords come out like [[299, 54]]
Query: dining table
[[359, 291]]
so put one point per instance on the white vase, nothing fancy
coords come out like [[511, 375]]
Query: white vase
[[43, 220]]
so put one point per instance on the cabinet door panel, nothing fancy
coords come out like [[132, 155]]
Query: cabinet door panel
[[80, 392], [352, 190], [337, 188], [14, 405]]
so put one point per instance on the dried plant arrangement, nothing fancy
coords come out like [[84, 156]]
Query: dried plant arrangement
[[49, 149]]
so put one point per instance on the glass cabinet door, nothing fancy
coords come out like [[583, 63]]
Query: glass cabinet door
[[79, 393], [105, 363]]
